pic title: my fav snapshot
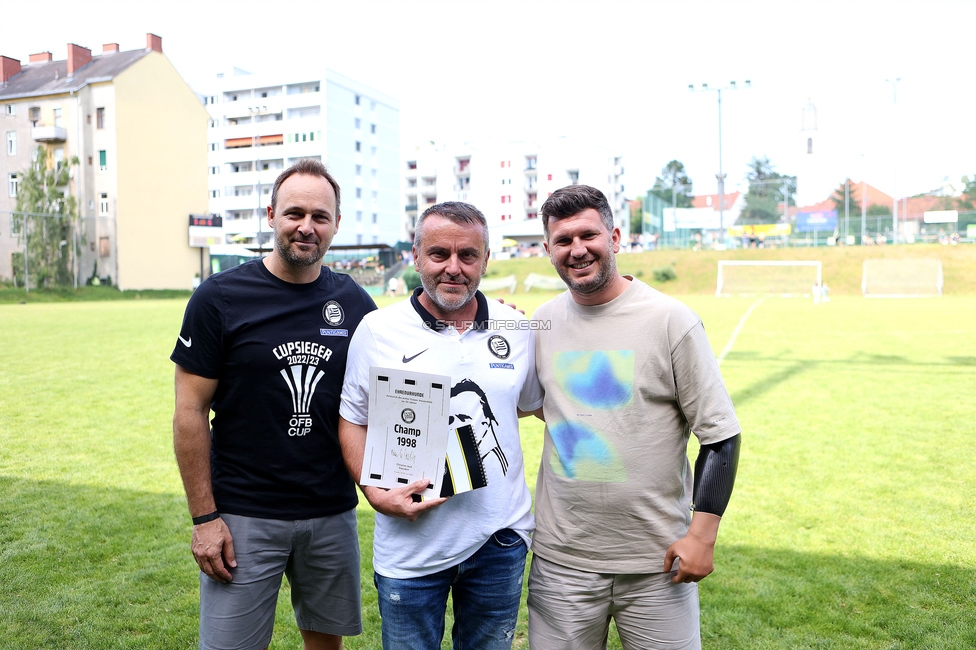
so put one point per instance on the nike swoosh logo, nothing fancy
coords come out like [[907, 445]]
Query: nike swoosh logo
[[188, 342], [407, 359]]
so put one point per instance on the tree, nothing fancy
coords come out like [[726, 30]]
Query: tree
[[47, 221], [636, 217], [673, 185], [968, 199], [839, 202], [766, 192]]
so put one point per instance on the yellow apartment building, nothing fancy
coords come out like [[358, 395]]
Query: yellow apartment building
[[139, 134]]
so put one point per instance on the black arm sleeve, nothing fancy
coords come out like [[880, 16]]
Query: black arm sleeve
[[715, 475]]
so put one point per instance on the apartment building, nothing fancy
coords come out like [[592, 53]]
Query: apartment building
[[138, 132], [260, 124], [508, 182]]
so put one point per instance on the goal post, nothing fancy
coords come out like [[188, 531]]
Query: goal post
[[902, 278], [783, 278]]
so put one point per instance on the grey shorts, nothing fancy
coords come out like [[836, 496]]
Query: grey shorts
[[571, 609], [320, 558]]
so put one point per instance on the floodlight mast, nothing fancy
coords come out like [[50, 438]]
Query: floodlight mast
[[894, 160], [720, 176]]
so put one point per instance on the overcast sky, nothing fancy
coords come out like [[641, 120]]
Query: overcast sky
[[613, 71]]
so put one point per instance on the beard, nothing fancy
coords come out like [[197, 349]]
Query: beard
[[606, 272], [296, 257], [449, 302]]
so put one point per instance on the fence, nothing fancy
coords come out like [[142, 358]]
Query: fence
[[877, 232], [52, 250]]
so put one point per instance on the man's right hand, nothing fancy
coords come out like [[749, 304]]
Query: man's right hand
[[399, 502], [213, 549]]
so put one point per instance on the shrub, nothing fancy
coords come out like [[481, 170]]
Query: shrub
[[412, 278], [665, 273]]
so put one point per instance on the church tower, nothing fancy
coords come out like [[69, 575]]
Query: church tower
[[811, 172]]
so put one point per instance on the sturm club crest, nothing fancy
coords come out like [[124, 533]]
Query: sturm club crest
[[498, 346], [408, 416], [333, 314]]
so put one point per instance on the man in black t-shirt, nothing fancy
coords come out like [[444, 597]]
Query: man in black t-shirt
[[264, 346]]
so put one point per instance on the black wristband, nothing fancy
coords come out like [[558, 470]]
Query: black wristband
[[202, 519]]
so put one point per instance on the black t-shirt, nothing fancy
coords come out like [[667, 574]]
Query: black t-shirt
[[278, 351]]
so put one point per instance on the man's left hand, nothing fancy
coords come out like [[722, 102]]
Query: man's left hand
[[696, 550]]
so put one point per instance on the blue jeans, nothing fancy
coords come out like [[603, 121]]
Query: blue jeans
[[486, 590]]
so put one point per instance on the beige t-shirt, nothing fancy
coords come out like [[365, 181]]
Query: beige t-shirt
[[626, 383]]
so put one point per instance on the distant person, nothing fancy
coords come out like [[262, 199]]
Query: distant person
[[264, 345], [472, 545], [628, 375], [391, 286]]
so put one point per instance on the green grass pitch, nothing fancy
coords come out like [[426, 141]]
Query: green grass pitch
[[851, 525]]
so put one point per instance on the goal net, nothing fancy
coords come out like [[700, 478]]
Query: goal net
[[901, 278], [497, 284], [544, 282], [789, 279]]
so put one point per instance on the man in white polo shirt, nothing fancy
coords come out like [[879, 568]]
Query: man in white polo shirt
[[473, 544]]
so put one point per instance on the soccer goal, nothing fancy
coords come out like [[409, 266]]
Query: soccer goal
[[509, 282], [902, 278], [788, 279]]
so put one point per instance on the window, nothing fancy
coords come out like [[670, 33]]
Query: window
[[372, 128], [34, 115], [359, 239], [12, 185], [375, 194], [373, 150], [359, 146], [375, 216], [357, 100], [104, 250], [11, 143], [102, 160], [57, 118], [103, 204], [10, 109], [215, 194], [90, 161], [99, 118], [359, 192], [359, 215], [359, 170], [213, 146], [357, 122], [213, 170]]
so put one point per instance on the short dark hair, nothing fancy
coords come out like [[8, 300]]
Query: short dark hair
[[573, 199], [456, 211], [305, 167]]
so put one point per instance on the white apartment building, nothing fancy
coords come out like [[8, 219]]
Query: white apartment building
[[508, 182], [262, 124]]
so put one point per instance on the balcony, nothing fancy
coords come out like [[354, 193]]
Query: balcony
[[49, 134]]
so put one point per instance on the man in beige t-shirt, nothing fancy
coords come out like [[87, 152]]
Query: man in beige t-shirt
[[629, 375]]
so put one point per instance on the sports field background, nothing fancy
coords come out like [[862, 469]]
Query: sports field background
[[851, 525]]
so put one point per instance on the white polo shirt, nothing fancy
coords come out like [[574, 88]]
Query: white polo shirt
[[492, 370]]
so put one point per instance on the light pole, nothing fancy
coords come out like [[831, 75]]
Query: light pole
[[732, 85], [894, 159], [256, 112]]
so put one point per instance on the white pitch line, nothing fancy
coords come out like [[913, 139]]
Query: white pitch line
[[738, 328]]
